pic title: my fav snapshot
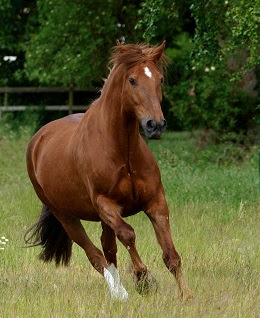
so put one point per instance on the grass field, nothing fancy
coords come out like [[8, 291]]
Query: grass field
[[214, 200]]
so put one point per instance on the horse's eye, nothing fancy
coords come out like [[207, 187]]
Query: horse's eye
[[132, 81], [162, 80]]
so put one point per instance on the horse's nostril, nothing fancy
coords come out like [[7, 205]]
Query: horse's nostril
[[163, 124], [151, 124]]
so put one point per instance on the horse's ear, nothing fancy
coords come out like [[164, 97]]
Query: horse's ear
[[120, 46], [157, 52]]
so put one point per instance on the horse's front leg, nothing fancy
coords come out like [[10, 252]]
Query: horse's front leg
[[110, 214], [158, 213]]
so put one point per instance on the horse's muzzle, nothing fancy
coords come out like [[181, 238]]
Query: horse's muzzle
[[153, 128]]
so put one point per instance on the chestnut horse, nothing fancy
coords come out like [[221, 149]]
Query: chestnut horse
[[96, 167]]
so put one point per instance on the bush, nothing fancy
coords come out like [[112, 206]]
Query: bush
[[207, 99]]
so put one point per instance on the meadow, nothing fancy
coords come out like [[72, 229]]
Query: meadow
[[213, 197]]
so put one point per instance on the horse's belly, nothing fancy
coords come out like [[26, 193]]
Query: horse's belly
[[66, 193], [72, 200], [73, 204]]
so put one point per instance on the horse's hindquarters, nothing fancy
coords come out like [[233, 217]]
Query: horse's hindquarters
[[54, 174]]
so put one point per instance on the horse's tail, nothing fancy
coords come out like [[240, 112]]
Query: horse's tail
[[50, 234]]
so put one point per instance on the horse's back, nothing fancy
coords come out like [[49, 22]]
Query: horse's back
[[53, 132], [69, 122]]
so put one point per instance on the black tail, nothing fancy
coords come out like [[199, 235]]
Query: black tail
[[50, 234]]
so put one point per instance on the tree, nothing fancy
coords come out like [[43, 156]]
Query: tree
[[74, 40], [18, 20], [213, 45], [213, 64]]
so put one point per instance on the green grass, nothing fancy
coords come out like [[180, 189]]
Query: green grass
[[214, 200]]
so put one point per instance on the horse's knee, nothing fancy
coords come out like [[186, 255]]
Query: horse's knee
[[172, 261], [126, 235]]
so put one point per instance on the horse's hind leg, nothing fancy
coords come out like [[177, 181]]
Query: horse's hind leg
[[77, 233], [108, 241]]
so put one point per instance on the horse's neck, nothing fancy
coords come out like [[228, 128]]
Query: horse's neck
[[113, 123], [119, 127]]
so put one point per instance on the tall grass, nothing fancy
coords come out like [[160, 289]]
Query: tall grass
[[213, 197]]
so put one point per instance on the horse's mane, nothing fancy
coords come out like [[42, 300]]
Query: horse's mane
[[130, 55]]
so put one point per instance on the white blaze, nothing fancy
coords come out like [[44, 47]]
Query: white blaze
[[147, 72], [112, 278]]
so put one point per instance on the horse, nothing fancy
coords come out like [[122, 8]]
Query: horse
[[96, 166]]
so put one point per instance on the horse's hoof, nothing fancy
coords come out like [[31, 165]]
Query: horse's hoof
[[146, 284]]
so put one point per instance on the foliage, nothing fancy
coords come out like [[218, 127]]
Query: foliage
[[151, 11], [163, 19], [210, 75], [69, 47], [212, 82], [18, 19], [243, 19], [74, 40], [65, 42], [224, 30], [208, 99]]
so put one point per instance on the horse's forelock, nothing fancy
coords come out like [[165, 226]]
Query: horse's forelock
[[130, 55]]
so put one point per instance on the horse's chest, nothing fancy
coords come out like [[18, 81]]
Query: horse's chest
[[132, 192]]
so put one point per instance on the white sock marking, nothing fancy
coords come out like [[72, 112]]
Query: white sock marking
[[147, 72], [112, 278]]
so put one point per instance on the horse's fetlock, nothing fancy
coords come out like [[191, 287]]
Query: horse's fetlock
[[172, 262]]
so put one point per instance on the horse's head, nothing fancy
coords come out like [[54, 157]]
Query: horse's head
[[143, 86]]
